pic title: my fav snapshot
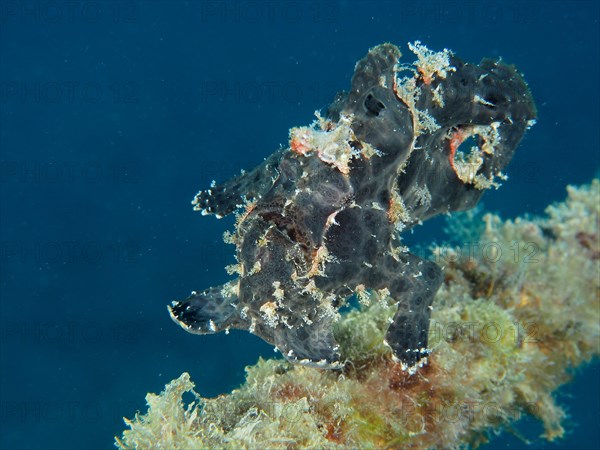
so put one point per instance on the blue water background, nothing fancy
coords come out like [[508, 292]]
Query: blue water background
[[114, 114]]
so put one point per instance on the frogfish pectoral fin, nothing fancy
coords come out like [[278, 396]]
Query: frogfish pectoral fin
[[209, 311]]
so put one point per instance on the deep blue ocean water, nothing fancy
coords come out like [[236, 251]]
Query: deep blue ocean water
[[114, 114]]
